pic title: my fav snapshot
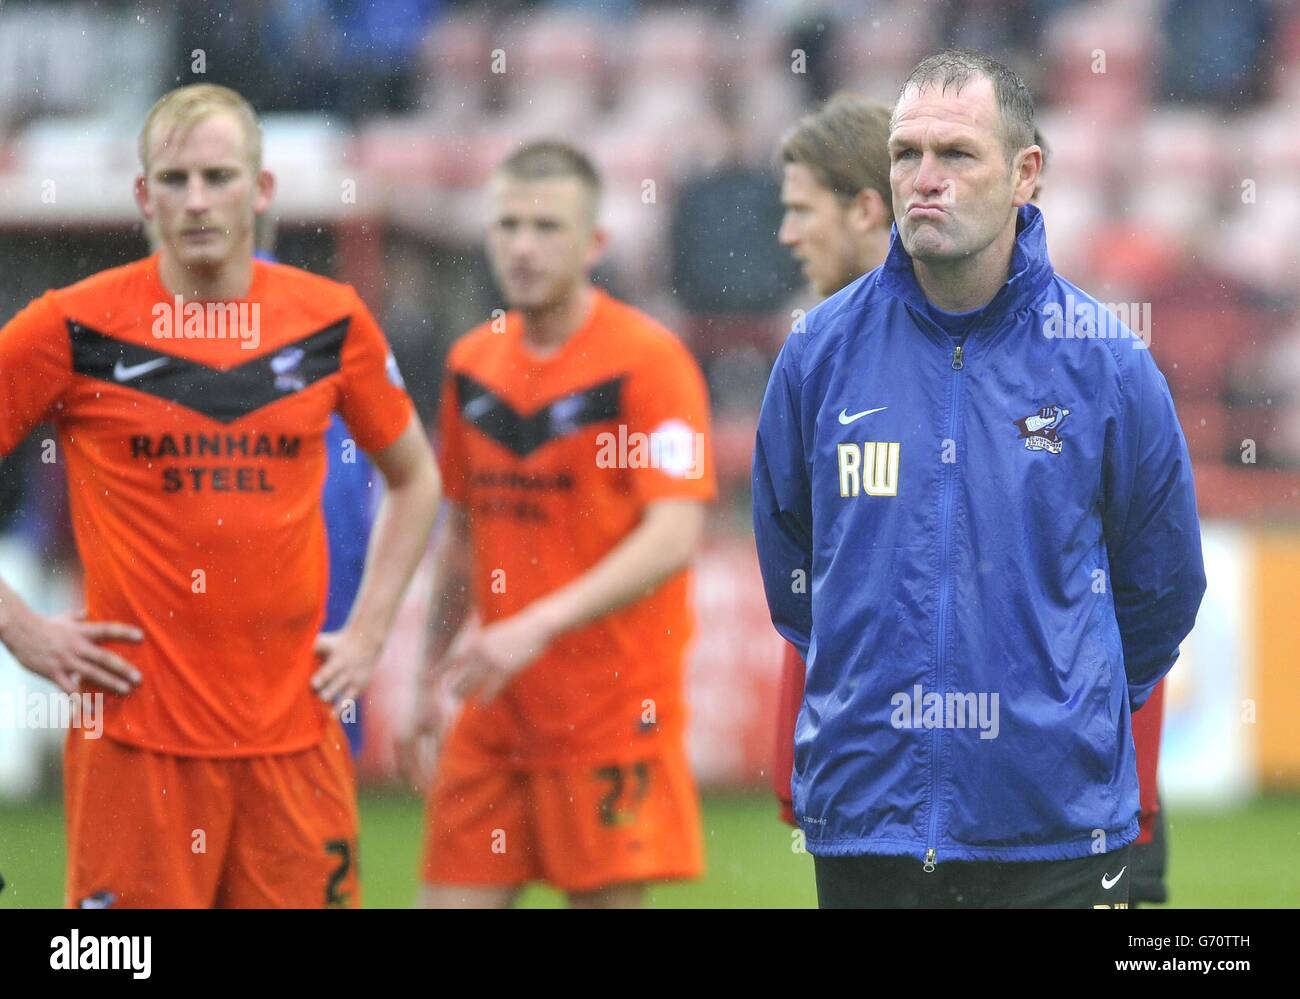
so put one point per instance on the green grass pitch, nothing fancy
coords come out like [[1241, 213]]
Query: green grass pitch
[[1243, 857]]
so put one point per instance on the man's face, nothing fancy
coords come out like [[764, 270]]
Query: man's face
[[953, 190], [541, 240], [816, 228], [201, 193]]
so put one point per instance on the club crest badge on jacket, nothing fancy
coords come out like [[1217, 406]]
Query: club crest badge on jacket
[[1041, 431]]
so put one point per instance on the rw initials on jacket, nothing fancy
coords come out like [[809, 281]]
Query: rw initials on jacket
[[870, 468]]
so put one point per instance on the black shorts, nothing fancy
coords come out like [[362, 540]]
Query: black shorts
[[1150, 861], [874, 882]]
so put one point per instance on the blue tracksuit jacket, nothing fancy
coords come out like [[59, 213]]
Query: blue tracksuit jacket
[[988, 554]]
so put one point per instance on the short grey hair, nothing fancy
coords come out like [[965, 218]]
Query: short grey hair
[[954, 68]]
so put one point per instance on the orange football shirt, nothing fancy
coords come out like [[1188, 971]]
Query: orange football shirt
[[554, 459], [194, 468]]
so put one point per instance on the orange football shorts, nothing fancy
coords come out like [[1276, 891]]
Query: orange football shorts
[[151, 829], [577, 826]]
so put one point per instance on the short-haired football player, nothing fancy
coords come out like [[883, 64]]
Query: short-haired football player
[[574, 447]]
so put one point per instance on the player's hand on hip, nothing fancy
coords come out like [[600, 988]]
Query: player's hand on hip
[[66, 649], [491, 656], [347, 661]]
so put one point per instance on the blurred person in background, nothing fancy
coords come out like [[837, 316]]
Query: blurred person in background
[[838, 216], [726, 272], [191, 391], [1005, 554], [560, 615]]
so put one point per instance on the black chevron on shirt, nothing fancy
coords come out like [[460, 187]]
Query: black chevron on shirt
[[523, 434], [222, 395]]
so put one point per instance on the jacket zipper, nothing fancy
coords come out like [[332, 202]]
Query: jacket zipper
[[931, 856]]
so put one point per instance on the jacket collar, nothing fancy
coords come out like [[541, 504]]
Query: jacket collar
[[1031, 270]]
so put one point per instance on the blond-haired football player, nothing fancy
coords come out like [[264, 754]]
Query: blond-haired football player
[[191, 391]]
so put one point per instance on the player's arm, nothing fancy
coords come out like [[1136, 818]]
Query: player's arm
[[451, 596], [449, 616], [660, 546], [1153, 534], [782, 502], [35, 369], [397, 542], [450, 622], [63, 649], [450, 600], [450, 603]]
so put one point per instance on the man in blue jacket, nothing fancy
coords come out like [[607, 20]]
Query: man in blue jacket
[[975, 518]]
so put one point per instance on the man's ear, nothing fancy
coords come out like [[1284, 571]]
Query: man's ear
[[141, 193], [265, 191], [1026, 169], [596, 249], [868, 211]]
